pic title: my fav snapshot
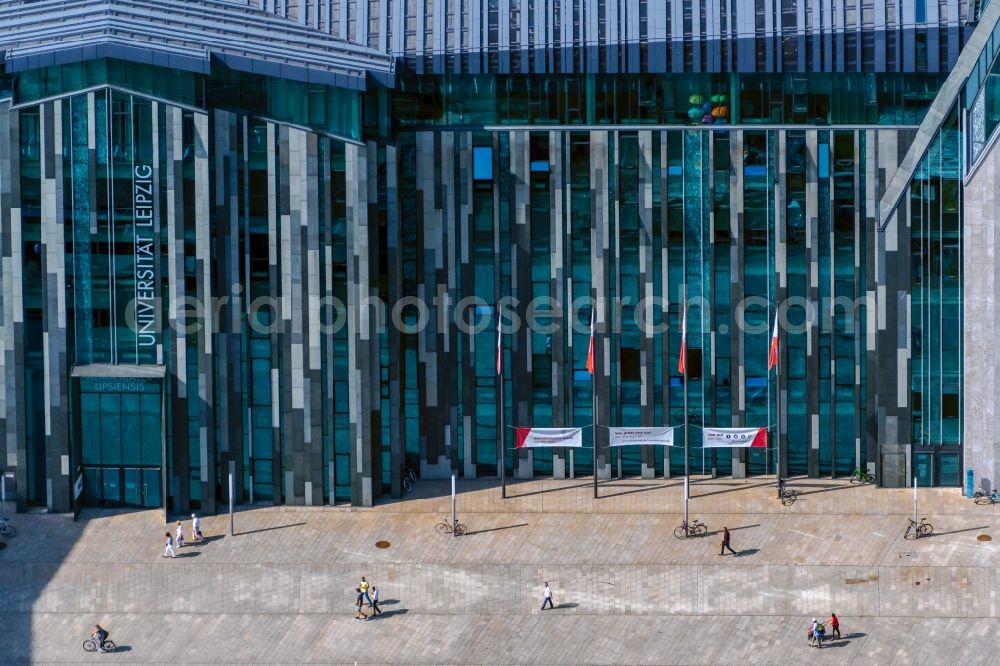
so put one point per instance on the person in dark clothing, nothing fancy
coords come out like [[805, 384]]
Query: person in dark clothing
[[360, 602], [725, 542]]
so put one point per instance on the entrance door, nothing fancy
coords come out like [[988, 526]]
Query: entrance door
[[121, 446]]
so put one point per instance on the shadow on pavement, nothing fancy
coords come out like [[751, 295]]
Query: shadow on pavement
[[387, 602], [731, 529], [123, 648], [546, 490], [496, 529], [389, 613], [569, 605], [739, 487], [643, 489], [747, 552], [968, 529], [204, 540], [265, 529]]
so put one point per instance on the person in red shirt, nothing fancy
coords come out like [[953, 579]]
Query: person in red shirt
[[834, 625]]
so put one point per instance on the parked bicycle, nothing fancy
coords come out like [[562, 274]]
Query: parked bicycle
[[861, 476], [90, 645], [409, 478], [915, 531], [446, 527], [786, 495], [685, 530], [983, 497], [6, 529]]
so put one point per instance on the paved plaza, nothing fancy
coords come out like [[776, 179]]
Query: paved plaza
[[626, 591]]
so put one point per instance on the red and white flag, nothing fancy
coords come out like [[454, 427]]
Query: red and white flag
[[772, 357], [590, 349], [682, 360], [531, 437], [499, 342], [735, 437]]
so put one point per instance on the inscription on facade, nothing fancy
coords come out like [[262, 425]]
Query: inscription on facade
[[145, 256]]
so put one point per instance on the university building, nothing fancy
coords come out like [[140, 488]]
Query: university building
[[268, 238]]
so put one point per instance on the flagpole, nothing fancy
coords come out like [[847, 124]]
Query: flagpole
[[503, 430], [774, 361], [593, 387], [687, 438]]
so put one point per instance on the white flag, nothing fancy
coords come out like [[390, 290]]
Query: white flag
[[642, 436]]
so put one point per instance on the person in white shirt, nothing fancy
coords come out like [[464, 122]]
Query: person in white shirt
[[195, 527], [170, 546], [180, 534], [547, 596]]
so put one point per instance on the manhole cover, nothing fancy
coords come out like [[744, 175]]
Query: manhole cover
[[382, 544], [984, 537]]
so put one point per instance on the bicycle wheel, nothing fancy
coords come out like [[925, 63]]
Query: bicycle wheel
[[90, 645], [925, 529], [443, 528], [982, 498], [855, 478], [788, 499], [680, 532], [700, 529], [109, 646], [910, 533], [9, 531], [460, 529], [407, 484]]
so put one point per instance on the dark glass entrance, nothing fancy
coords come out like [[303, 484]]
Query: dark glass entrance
[[121, 440]]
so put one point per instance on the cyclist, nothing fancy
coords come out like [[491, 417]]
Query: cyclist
[[100, 635]]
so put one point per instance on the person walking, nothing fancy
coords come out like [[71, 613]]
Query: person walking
[[834, 626], [547, 596], [195, 527], [375, 609], [364, 590], [360, 602], [817, 634], [180, 534], [725, 542], [169, 546]]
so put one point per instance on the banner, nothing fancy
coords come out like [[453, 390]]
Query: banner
[[642, 436], [740, 437], [531, 437]]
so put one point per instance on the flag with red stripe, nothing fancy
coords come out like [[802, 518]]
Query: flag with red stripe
[[499, 343], [590, 349], [682, 360], [772, 358]]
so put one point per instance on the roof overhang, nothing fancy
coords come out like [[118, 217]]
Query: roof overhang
[[182, 34]]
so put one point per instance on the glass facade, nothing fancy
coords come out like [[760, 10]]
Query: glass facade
[[318, 273]]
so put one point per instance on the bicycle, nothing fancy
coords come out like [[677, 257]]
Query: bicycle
[[6, 529], [90, 645], [861, 476], [786, 496], [915, 531], [409, 477], [983, 497], [445, 527], [685, 530]]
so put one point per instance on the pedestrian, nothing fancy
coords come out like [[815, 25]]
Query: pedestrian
[[360, 602], [180, 534], [364, 590], [816, 633], [195, 528], [375, 609], [547, 596], [170, 546], [725, 542], [834, 626]]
